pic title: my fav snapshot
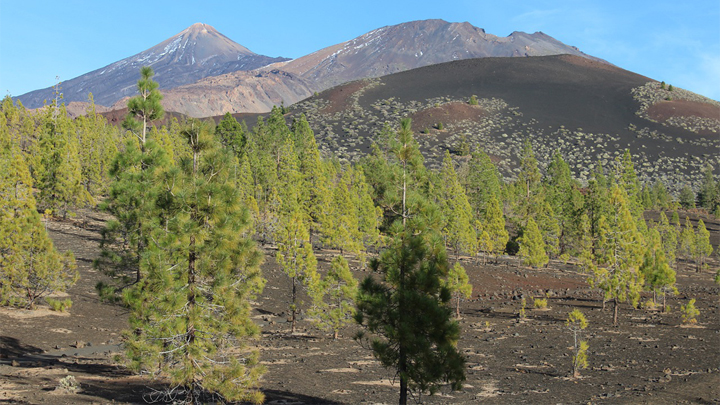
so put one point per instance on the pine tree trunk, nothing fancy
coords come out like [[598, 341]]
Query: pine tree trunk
[[191, 304], [457, 307], [615, 312], [403, 378], [294, 295], [138, 275]]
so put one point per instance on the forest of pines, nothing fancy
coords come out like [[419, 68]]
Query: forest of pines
[[191, 202]]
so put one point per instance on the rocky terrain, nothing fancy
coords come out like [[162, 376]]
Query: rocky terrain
[[651, 357]]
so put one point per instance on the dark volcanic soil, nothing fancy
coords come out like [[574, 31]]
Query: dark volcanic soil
[[649, 358]]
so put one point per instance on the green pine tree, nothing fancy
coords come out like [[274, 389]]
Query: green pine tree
[[669, 237], [232, 134], [134, 172], [190, 314], [656, 270], [532, 247], [407, 313], [687, 240], [98, 143], [57, 170], [577, 322], [494, 226], [529, 190], [686, 198], [458, 283], [341, 229], [457, 230], [145, 107], [341, 289], [296, 258], [702, 248], [566, 202], [30, 266], [482, 182], [618, 255]]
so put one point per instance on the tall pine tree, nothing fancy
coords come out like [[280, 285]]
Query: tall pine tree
[[191, 314]]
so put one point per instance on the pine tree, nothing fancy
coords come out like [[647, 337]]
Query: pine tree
[[408, 311], [57, 171], [342, 231], [494, 226], [660, 195], [702, 248], [686, 198], [30, 267], [687, 240], [532, 247], [577, 322], [482, 182], [144, 108], [317, 194], [341, 288], [454, 205], [669, 237], [369, 216], [459, 285], [597, 202], [409, 315], [655, 268], [531, 196], [131, 202], [134, 173], [191, 314], [566, 202], [232, 134], [97, 146], [296, 258], [619, 254]]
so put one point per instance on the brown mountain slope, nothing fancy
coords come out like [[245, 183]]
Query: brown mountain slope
[[415, 44], [235, 92]]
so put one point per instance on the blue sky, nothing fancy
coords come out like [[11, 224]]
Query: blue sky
[[674, 41]]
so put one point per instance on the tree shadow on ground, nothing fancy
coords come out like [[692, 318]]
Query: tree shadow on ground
[[73, 234], [11, 347], [528, 370], [286, 397]]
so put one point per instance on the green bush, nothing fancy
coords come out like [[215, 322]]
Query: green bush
[[59, 305], [689, 312], [473, 100], [521, 314], [540, 303]]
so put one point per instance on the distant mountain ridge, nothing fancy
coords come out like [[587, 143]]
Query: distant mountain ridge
[[414, 44], [201, 71], [383, 51], [197, 52]]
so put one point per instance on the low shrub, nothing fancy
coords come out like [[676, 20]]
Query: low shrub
[[59, 305], [689, 312], [540, 303]]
